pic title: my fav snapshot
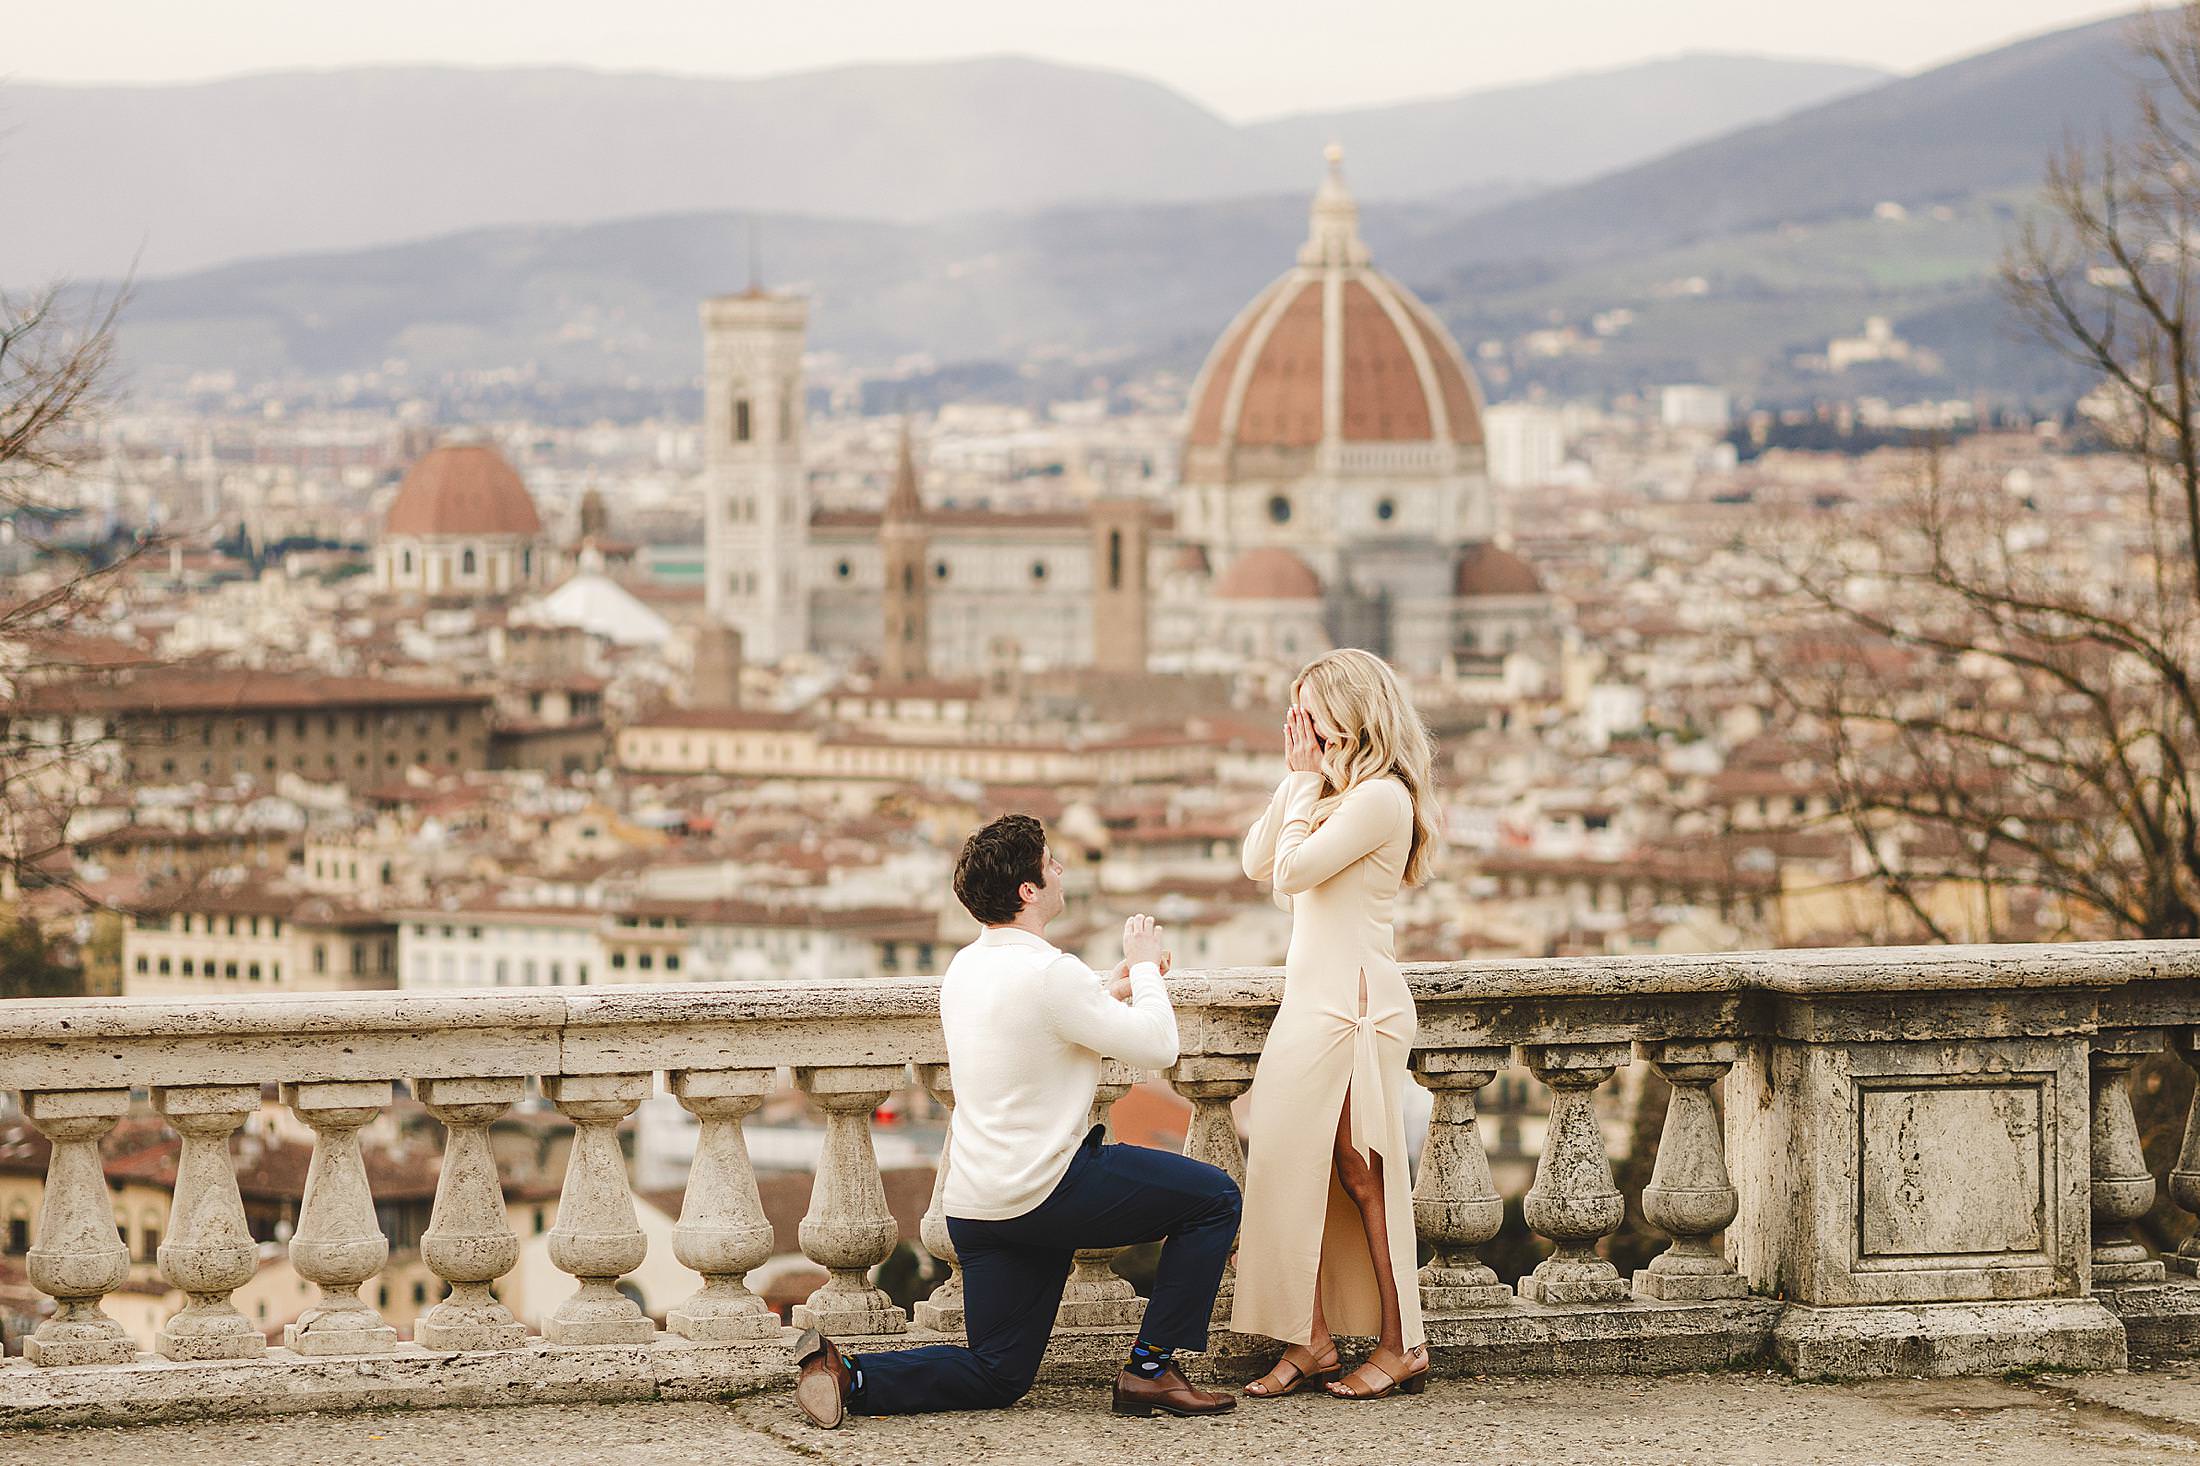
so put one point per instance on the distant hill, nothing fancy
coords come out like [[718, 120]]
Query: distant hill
[[618, 301], [183, 177], [1729, 261], [1974, 126]]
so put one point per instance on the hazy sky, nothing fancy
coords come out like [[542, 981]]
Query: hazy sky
[[1243, 59]]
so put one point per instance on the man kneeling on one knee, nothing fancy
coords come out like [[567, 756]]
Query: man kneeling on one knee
[[1027, 1183]]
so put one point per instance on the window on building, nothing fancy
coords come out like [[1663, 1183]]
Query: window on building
[[164, 966], [229, 969], [844, 570], [320, 957], [1115, 559], [580, 972], [405, 561], [1279, 509], [645, 961], [144, 963], [1386, 509], [19, 1235], [557, 974], [187, 968], [504, 971], [466, 562], [939, 570], [740, 419], [618, 960], [1038, 570], [672, 961], [420, 1292], [252, 970]]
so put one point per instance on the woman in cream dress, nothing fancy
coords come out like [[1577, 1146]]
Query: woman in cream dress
[[1327, 1243]]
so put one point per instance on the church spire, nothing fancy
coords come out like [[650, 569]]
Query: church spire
[[906, 652], [904, 504], [1333, 235]]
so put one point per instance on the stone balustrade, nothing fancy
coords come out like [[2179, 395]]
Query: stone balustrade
[[1914, 1160]]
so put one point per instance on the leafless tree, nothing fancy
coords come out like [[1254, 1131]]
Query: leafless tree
[[2007, 700], [56, 364], [2004, 691]]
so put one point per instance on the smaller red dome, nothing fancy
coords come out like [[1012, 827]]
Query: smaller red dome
[[463, 489], [1485, 570], [1269, 574]]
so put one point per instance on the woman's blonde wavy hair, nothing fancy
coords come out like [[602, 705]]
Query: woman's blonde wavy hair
[[1370, 730]]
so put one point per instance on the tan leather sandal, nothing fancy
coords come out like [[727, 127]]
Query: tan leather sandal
[[1316, 1371], [1412, 1381]]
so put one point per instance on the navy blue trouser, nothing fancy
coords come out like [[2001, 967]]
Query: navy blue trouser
[[1013, 1270]]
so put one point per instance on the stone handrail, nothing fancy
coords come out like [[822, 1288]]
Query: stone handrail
[[1927, 1163]]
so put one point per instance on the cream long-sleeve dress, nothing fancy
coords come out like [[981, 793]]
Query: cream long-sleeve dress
[[1300, 1229]]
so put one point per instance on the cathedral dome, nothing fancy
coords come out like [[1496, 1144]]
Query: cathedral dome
[[463, 489], [1334, 351], [1269, 574], [1485, 570]]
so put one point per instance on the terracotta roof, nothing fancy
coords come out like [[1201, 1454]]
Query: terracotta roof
[[1262, 385], [1270, 573], [732, 720], [1485, 570], [463, 489], [179, 690]]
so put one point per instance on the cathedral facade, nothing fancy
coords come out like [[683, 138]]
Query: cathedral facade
[[1333, 493]]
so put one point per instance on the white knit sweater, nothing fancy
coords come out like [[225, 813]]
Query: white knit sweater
[[1027, 1026]]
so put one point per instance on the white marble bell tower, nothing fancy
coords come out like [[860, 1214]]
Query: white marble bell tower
[[756, 491]]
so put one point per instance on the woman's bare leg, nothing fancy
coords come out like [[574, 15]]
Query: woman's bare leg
[[1363, 1182]]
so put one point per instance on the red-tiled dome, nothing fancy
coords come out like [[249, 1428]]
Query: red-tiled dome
[[463, 489], [1485, 570], [1269, 574], [1400, 376]]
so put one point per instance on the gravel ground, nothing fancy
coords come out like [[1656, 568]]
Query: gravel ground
[[1705, 1420]]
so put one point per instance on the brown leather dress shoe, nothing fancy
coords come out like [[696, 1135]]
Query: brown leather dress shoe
[[1168, 1392], [822, 1380]]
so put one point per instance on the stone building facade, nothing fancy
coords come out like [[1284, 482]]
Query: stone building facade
[[172, 726]]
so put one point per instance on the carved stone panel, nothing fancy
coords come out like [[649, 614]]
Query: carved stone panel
[[1950, 1170]]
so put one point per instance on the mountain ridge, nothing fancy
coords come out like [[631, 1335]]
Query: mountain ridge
[[275, 163]]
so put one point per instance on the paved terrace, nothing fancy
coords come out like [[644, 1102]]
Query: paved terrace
[[1732, 1419], [1925, 1165]]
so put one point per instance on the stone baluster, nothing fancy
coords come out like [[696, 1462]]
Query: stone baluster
[[2184, 1177], [722, 1233], [1690, 1197], [469, 1242], [2123, 1187], [1456, 1207], [338, 1244], [597, 1239], [78, 1259], [1093, 1297], [1574, 1200], [1212, 1082], [848, 1229], [208, 1252], [943, 1311]]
